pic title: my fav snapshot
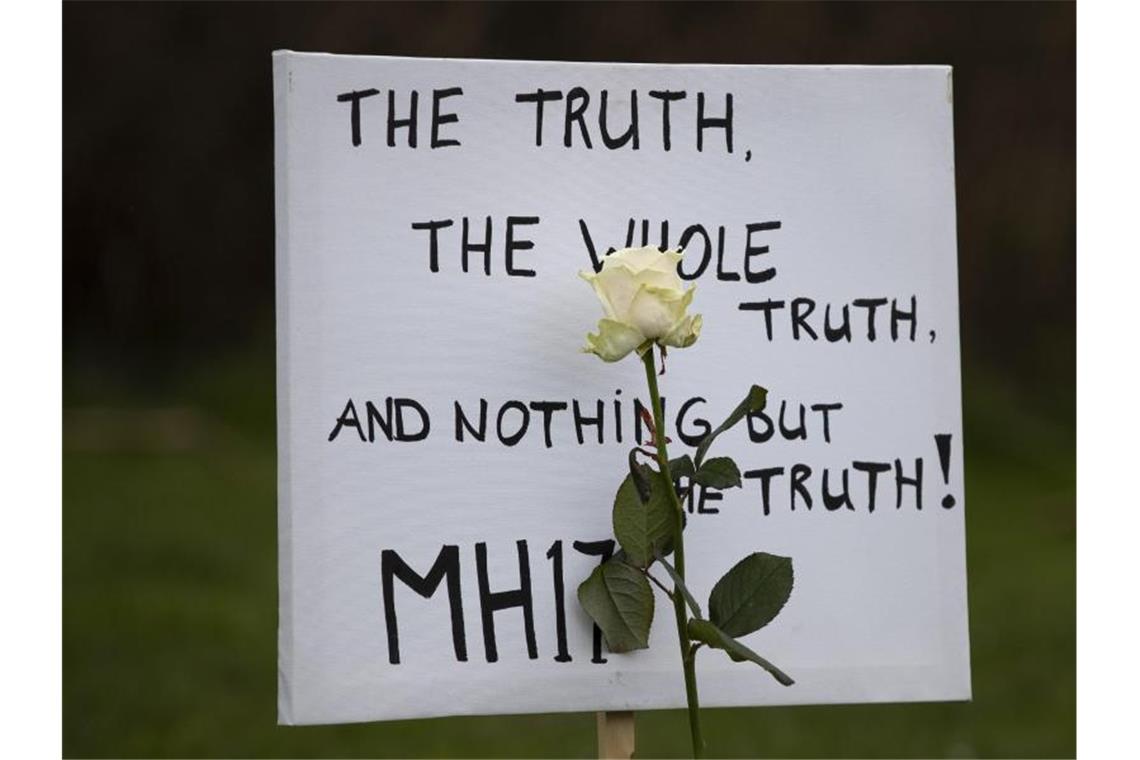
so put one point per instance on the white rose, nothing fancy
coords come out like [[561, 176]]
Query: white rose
[[645, 303]]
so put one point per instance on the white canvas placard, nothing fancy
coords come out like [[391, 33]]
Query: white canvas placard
[[430, 227]]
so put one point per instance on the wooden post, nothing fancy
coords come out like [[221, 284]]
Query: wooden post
[[615, 735]]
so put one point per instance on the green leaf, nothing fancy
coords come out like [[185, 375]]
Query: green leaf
[[755, 400], [706, 632], [681, 467], [718, 472], [618, 598], [644, 528], [751, 593], [679, 583]]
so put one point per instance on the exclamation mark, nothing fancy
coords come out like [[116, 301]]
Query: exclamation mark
[[942, 441]]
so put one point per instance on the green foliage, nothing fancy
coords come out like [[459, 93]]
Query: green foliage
[[618, 598], [718, 472], [751, 594], [617, 595], [755, 401], [707, 633], [644, 528]]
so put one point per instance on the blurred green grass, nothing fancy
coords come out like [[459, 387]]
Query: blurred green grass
[[169, 636]]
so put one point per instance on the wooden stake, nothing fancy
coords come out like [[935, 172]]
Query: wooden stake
[[615, 735]]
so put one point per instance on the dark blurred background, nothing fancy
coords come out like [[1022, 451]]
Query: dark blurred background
[[169, 460]]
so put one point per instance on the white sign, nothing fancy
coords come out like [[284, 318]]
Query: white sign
[[447, 457]]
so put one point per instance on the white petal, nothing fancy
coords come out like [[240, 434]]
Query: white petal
[[684, 333], [600, 292], [617, 286], [633, 259], [655, 311], [613, 341]]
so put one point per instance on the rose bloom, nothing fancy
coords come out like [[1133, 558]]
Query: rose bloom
[[645, 303]]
